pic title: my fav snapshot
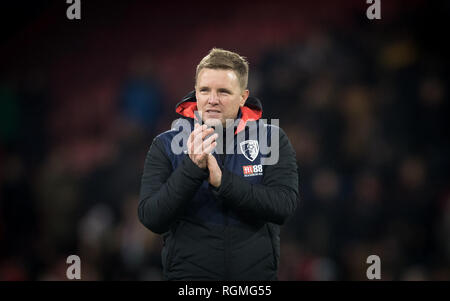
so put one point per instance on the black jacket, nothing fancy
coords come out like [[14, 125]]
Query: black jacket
[[229, 233]]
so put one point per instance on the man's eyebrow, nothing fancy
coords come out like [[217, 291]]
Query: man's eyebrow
[[224, 90], [204, 88]]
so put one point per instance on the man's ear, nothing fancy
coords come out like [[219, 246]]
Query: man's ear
[[244, 97]]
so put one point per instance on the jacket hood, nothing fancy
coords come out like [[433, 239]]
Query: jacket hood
[[251, 111]]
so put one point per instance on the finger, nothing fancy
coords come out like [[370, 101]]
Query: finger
[[201, 132], [199, 149], [193, 139], [210, 148], [190, 147], [198, 138], [207, 132], [197, 145], [191, 135], [210, 143], [197, 129], [190, 141], [209, 140]]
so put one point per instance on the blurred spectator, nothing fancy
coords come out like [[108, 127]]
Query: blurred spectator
[[142, 97]]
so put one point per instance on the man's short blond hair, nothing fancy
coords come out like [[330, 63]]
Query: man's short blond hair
[[227, 60]]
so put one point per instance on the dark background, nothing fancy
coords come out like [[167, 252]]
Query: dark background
[[364, 103]]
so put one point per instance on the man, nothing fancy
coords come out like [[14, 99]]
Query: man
[[219, 211]]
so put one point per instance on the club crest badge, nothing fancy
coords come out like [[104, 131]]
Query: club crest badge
[[250, 149]]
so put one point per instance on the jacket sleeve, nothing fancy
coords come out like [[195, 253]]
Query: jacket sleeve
[[164, 191], [272, 201]]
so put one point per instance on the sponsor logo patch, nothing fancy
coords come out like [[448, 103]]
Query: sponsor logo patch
[[252, 170]]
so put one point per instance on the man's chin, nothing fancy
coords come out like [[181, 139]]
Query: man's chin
[[213, 122]]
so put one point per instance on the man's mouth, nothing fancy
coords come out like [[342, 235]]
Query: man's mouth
[[213, 112]]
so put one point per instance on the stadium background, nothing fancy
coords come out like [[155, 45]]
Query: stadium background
[[364, 103]]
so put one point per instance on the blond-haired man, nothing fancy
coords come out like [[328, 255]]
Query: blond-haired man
[[209, 187]]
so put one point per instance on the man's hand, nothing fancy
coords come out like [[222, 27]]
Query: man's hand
[[199, 149], [215, 174]]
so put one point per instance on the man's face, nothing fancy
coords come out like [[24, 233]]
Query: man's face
[[219, 95]]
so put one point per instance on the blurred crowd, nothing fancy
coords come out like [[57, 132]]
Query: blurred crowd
[[368, 125], [365, 110]]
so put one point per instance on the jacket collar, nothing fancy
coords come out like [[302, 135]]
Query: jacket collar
[[251, 111]]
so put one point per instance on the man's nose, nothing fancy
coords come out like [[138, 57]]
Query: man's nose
[[213, 98]]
